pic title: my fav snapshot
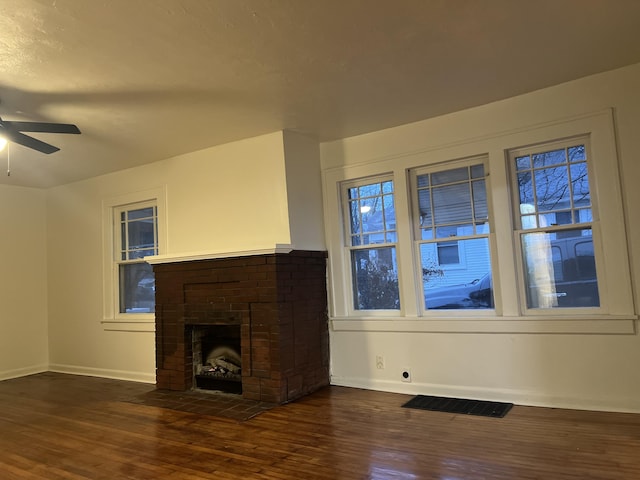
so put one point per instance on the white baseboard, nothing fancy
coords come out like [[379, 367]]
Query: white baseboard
[[23, 372], [104, 373], [518, 397]]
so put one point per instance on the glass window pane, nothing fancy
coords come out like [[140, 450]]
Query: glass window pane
[[577, 153], [580, 185], [525, 187], [424, 204], [389, 212], [480, 200], [375, 279], [482, 228], [560, 270], [452, 231], [523, 163], [427, 234], [529, 221], [450, 176], [477, 171], [123, 241], [584, 215], [452, 203], [137, 288], [458, 288], [372, 216], [552, 189], [585, 259], [556, 218], [141, 234], [369, 190], [369, 208], [354, 213], [423, 181], [141, 213], [545, 159]]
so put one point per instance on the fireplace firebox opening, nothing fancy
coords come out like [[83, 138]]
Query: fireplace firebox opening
[[217, 360]]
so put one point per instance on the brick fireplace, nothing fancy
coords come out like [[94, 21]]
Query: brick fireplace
[[277, 300]]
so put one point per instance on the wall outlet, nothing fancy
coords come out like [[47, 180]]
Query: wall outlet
[[406, 375], [379, 362]]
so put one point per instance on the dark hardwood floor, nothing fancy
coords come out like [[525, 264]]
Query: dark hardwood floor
[[55, 426]]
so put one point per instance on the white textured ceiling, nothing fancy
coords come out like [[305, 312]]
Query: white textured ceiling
[[149, 79]]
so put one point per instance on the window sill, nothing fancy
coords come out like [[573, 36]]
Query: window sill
[[146, 323], [610, 325]]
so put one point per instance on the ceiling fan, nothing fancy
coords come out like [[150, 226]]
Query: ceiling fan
[[12, 132]]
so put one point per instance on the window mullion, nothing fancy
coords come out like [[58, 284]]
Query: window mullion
[[409, 300]]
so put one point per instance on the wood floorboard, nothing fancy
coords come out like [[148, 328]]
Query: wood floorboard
[[56, 426]]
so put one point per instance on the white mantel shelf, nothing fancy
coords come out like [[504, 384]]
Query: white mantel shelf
[[194, 256]]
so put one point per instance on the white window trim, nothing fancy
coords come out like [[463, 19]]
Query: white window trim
[[617, 314], [112, 318]]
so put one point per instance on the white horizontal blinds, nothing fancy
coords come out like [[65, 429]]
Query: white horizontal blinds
[[555, 214], [372, 237], [452, 203], [452, 230]]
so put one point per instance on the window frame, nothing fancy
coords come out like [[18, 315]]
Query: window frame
[[349, 248], [418, 241], [593, 225], [617, 314], [113, 319], [119, 250]]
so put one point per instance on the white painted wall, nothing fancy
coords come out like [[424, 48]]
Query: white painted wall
[[304, 191], [23, 282], [569, 370], [227, 198]]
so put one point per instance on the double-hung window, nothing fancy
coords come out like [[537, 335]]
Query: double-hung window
[[136, 232], [371, 237], [519, 232], [554, 219], [134, 228], [451, 227]]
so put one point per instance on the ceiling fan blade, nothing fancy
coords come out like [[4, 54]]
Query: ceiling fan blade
[[27, 141], [41, 127]]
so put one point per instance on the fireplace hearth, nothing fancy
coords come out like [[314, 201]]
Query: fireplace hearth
[[252, 325]]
